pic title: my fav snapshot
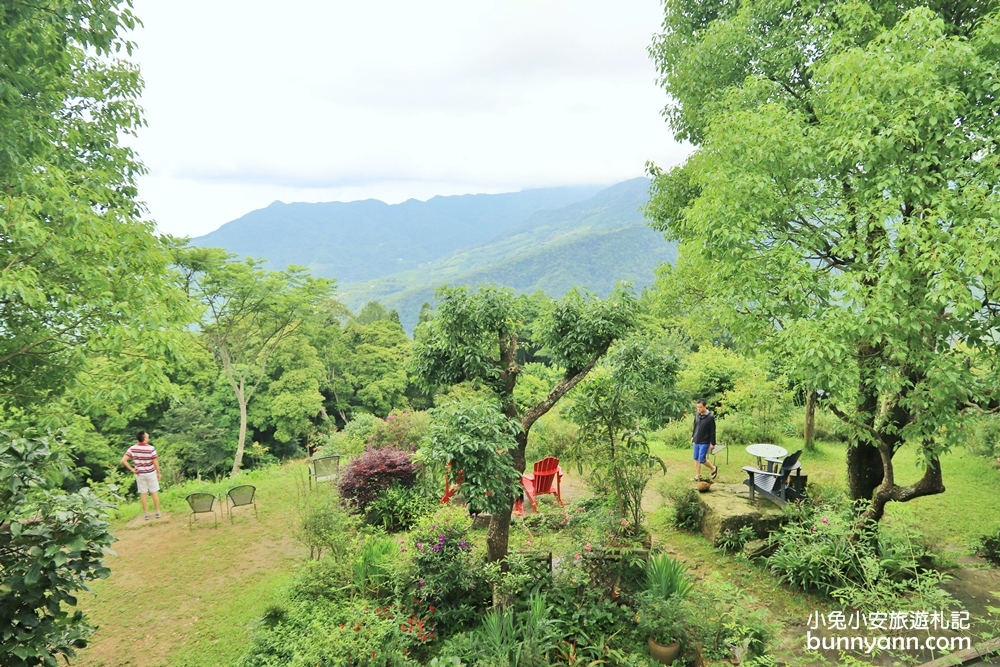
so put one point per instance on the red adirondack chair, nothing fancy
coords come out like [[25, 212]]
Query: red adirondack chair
[[451, 489], [539, 482]]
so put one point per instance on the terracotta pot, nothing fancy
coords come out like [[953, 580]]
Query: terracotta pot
[[704, 487], [663, 654]]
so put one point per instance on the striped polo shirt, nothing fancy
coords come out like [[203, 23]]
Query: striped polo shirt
[[142, 454]]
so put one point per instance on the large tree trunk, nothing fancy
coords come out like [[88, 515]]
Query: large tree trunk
[[864, 470], [498, 534], [809, 431], [241, 443]]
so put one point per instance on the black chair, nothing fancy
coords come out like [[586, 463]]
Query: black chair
[[238, 496], [774, 485], [201, 503], [324, 469]]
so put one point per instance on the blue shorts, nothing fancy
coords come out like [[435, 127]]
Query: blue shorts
[[700, 452]]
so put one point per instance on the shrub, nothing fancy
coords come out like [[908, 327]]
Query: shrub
[[398, 508], [826, 426], [446, 579], [326, 526], [676, 434], [402, 429], [688, 511], [741, 429], [984, 436], [876, 568], [369, 475], [988, 547], [553, 436], [352, 440]]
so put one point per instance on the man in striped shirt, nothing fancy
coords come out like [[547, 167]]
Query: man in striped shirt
[[146, 468]]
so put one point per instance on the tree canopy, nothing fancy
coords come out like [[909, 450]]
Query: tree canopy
[[842, 199]]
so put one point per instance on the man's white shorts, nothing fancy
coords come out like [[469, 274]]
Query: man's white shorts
[[147, 482]]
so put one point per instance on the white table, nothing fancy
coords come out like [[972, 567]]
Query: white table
[[764, 451]]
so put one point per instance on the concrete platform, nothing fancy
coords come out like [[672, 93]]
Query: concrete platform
[[728, 508]]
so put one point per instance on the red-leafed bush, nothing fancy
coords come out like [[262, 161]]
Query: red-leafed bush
[[368, 475]]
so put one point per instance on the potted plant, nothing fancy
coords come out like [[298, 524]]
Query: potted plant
[[660, 614], [662, 622]]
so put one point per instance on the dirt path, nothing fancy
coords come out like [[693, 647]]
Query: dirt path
[[176, 594]]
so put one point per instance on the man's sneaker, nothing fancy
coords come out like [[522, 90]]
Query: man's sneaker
[[145, 517], [157, 515]]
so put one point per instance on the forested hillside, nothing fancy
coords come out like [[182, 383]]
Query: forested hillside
[[362, 240], [593, 243]]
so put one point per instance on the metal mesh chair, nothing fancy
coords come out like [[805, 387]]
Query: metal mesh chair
[[201, 503], [239, 496], [324, 469]]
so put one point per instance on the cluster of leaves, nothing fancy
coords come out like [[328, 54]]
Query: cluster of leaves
[[474, 439], [988, 547], [371, 474], [52, 543], [687, 508], [822, 551], [398, 508]]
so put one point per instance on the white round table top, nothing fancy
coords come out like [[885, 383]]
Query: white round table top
[[766, 451]]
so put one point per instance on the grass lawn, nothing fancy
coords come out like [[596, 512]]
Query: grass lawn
[[185, 598]]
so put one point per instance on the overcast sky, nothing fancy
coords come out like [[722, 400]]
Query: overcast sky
[[248, 102]]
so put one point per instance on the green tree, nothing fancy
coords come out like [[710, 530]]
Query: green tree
[[842, 196], [81, 272], [51, 544], [249, 314], [630, 392], [474, 338]]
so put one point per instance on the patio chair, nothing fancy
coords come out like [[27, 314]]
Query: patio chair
[[715, 453], [451, 489], [324, 469], [201, 503], [539, 483], [238, 496], [775, 485]]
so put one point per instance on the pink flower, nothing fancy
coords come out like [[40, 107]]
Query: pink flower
[[577, 556], [623, 522], [824, 520], [587, 547]]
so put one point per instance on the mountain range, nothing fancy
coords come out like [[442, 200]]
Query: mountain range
[[547, 239]]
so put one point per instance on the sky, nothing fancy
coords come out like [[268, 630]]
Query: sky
[[248, 102]]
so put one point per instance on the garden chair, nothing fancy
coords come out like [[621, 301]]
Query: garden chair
[[324, 469], [201, 503], [539, 483], [451, 489], [715, 453], [774, 485], [238, 496]]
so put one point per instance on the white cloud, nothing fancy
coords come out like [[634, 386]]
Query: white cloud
[[248, 102]]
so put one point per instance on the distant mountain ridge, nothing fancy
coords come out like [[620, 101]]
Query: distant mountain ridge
[[362, 240], [550, 240]]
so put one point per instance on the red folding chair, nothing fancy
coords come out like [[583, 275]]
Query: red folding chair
[[539, 483]]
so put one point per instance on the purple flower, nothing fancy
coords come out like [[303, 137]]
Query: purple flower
[[463, 544], [420, 583], [420, 545], [436, 547], [824, 520], [402, 550], [441, 539]]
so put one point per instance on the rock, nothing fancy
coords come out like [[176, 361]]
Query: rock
[[758, 548], [728, 508]]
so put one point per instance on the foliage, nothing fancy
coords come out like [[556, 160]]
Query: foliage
[[371, 363], [822, 552], [402, 429], [826, 427], [983, 436], [250, 316], [373, 567], [630, 392], [711, 372], [746, 429], [306, 631], [988, 547], [667, 577], [83, 274], [190, 436], [325, 525], [353, 439], [660, 618], [687, 508], [369, 475], [518, 639], [733, 541], [555, 436], [52, 543], [398, 508], [474, 438], [446, 578], [839, 198]]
